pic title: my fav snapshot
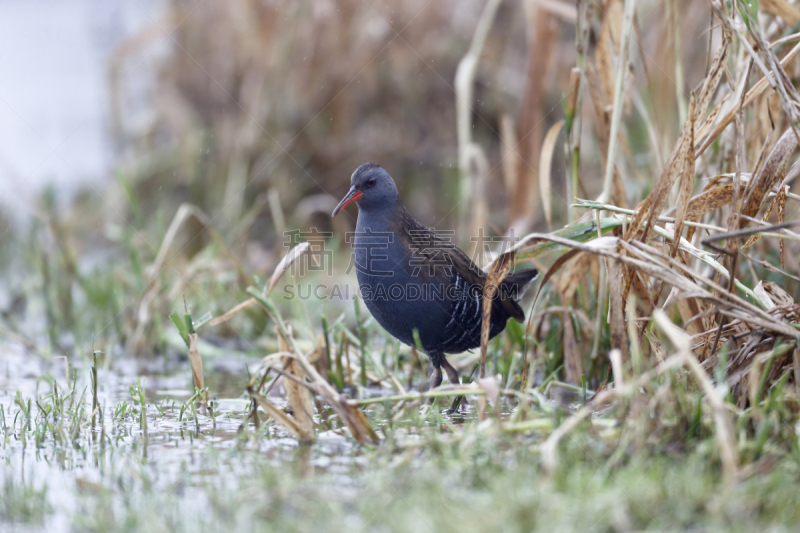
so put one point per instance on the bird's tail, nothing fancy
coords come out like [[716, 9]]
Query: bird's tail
[[515, 284]]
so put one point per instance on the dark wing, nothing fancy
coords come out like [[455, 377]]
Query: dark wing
[[433, 253]]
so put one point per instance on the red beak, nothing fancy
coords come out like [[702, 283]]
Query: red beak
[[353, 195]]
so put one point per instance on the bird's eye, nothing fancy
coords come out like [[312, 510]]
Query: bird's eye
[[371, 182]]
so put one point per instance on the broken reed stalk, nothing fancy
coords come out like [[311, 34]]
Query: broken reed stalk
[[440, 392], [572, 114], [498, 270], [197, 366], [183, 214], [600, 303], [686, 246], [480, 388], [730, 115], [299, 396], [353, 418], [464, 90], [545, 171], [616, 113], [280, 268]]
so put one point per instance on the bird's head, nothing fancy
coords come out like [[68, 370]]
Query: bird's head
[[371, 187]]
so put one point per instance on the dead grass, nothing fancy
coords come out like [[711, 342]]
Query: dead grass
[[667, 277], [675, 319]]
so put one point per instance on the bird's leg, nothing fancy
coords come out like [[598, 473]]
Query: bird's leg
[[436, 376], [452, 373]]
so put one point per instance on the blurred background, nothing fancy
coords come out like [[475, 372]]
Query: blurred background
[[254, 113]]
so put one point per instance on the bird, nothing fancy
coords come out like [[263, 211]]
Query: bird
[[413, 278]]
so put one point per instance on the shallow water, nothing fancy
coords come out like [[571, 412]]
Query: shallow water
[[159, 448], [173, 452]]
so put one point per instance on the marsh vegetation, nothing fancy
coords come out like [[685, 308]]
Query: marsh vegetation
[[641, 155]]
